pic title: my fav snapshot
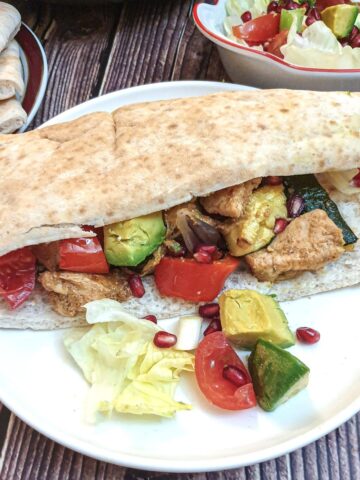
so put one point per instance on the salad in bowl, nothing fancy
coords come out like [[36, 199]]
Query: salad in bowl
[[308, 33]]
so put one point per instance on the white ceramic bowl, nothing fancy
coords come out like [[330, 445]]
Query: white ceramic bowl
[[261, 69]]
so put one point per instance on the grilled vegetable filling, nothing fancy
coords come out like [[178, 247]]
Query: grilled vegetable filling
[[281, 227]]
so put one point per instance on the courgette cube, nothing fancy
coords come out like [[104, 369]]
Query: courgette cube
[[255, 229], [315, 196], [276, 374]]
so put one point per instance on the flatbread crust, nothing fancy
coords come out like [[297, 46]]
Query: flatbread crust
[[12, 115], [103, 167], [11, 79], [10, 22]]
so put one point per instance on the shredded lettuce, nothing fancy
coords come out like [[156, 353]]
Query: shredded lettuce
[[318, 47], [127, 372], [238, 7]]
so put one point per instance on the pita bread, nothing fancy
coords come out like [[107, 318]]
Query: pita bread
[[10, 22], [11, 79], [12, 115], [103, 168]]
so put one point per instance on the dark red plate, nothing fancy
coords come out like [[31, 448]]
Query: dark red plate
[[35, 69]]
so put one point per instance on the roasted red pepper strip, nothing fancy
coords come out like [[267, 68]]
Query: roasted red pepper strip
[[82, 255], [212, 355], [17, 276], [197, 282]]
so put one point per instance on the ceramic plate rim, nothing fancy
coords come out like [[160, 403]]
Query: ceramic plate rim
[[161, 464]]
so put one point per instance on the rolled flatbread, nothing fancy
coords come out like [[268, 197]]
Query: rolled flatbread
[[10, 22], [11, 76], [12, 115], [103, 168]]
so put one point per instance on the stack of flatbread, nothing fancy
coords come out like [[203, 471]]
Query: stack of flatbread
[[12, 115]]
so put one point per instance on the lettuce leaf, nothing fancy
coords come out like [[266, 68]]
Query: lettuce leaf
[[127, 372], [238, 7], [318, 47]]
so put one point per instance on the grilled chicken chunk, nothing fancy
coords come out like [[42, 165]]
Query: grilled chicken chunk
[[230, 202], [307, 244], [69, 291]]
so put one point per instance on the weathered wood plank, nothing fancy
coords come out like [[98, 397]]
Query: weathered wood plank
[[77, 43], [94, 50], [145, 43]]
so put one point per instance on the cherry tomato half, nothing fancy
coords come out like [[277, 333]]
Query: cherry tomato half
[[17, 276], [196, 282], [258, 30], [212, 355]]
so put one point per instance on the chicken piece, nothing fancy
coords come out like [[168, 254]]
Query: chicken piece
[[230, 202], [69, 291], [307, 244]]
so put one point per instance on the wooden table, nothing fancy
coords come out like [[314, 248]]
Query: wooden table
[[92, 51]]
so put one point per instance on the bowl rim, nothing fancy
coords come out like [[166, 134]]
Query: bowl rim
[[227, 42]]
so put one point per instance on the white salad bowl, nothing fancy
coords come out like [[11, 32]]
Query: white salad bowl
[[248, 66]]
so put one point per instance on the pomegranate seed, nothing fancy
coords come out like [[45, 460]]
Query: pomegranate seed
[[355, 43], [246, 16], [354, 32], [307, 335], [211, 250], [164, 339], [151, 318], [272, 7], [209, 310], [203, 257], [280, 225], [235, 375], [295, 205], [273, 180], [214, 326], [290, 5], [206, 248], [309, 21], [355, 182], [136, 286]]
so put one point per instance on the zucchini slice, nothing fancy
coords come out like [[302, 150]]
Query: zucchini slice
[[315, 196]]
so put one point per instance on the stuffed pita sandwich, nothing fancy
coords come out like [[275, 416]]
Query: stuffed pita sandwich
[[162, 205]]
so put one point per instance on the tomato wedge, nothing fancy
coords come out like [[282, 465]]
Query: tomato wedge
[[258, 30], [275, 43], [212, 355], [82, 255], [196, 282], [17, 276]]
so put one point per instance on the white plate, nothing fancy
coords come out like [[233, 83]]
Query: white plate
[[40, 383]]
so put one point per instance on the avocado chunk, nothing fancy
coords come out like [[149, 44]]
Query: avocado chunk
[[255, 229], [340, 19], [276, 374], [247, 315], [287, 17], [128, 243]]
